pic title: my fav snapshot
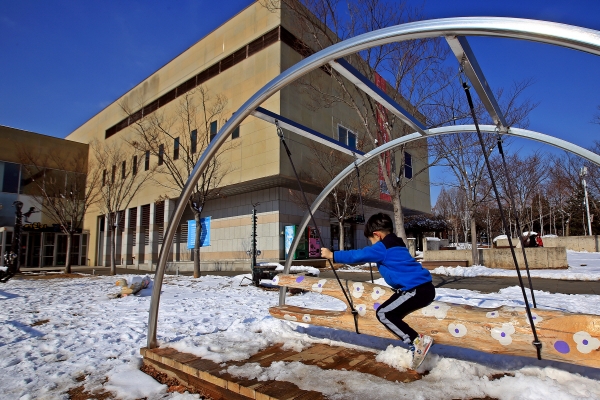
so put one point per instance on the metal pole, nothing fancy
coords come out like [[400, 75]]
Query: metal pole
[[583, 173], [255, 275]]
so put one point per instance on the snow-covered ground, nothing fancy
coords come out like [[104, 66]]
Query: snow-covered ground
[[88, 333], [583, 266]]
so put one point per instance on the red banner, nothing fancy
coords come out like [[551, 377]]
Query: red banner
[[383, 137]]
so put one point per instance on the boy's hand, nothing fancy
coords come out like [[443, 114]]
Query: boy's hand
[[326, 253]]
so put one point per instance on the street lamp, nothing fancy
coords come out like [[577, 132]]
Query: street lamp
[[582, 174]]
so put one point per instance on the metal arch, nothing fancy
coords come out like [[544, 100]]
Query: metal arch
[[522, 133], [461, 49], [573, 37]]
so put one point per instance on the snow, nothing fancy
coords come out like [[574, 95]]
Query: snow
[[88, 333], [294, 269], [499, 238], [359, 268], [583, 266]]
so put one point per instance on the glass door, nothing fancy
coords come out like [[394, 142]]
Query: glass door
[[48, 254]]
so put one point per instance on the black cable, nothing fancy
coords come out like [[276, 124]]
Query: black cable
[[312, 217], [536, 342], [517, 222]]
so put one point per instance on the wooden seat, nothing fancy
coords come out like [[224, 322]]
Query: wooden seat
[[565, 337]]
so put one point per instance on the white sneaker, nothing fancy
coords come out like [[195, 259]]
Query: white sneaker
[[420, 347]]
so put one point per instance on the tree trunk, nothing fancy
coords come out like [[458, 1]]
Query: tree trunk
[[399, 216], [68, 260], [113, 251], [341, 237], [197, 218], [474, 251]]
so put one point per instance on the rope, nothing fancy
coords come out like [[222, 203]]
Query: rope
[[312, 217], [536, 342], [362, 207], [517, 222]]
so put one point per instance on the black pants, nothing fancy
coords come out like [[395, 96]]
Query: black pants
[[394, 309]]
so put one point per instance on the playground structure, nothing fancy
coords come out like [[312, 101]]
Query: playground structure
[[566, 337]]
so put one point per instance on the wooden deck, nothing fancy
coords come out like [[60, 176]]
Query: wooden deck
[[209, 378]]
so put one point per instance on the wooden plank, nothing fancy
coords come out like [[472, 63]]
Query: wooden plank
[[214, 392], [210, 377], [566, 337]]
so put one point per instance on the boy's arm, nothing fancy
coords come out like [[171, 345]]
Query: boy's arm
[[375, 253]]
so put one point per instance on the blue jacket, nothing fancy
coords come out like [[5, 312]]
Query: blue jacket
[[396, 265]]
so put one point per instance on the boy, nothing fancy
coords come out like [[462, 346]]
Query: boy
[[410, 281]]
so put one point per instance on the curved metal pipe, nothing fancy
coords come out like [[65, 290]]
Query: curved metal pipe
[[573, 37], [522, 133]]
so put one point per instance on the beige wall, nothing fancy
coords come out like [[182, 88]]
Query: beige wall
[[257, 153], [13, 141], [576, 243], [537, 257]]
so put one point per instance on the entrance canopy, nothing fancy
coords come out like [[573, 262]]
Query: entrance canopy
[[455, 31]]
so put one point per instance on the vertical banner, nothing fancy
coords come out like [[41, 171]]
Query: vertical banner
[[290, 232], [204, 234], [383, 137], [314, 244]]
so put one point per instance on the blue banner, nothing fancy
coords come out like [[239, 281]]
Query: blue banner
[[290, 232], [204, 234]]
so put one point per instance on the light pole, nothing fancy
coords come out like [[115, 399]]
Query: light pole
[[582, 174]]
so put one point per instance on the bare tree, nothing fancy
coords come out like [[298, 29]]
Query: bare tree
[[345, 198], [414, 72], [123, 174], [463, 153], [178, 140], [527, 175], [596, 119], [451, 204], [564, 184], [66, 191]]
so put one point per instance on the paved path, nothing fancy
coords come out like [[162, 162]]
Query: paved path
[[483, 284], [489, 284]]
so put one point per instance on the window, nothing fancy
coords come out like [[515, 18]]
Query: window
[[134, 166], [176, 149], [147, 161], [161, 154], [347, 137], [408, 172], [236, 132], [123, 170], [213, 130], [9, 177], [194, 141], [114, 172], [103, 177]]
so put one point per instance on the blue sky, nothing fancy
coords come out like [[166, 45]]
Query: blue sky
[[63, 61]]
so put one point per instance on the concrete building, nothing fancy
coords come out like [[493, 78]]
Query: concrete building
[[233, 61], [42, 242]]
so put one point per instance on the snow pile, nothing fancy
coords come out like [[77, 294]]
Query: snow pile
[[499, 238], [129, 383], [358, 268], [294, 269], [396, 357], [582, 267], [54, 331]]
